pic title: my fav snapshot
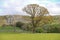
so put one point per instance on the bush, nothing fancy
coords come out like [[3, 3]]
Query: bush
[[27, 27], [19, 24], [39, 30], [51, 28], [54, 30]]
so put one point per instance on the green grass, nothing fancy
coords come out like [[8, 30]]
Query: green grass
[[29, 36]]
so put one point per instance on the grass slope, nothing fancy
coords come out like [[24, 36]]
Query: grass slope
[[28, 36]]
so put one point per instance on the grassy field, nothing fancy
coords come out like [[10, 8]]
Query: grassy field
[[29, 36]]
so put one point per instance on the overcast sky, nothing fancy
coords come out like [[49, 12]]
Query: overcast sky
[[15, 6]]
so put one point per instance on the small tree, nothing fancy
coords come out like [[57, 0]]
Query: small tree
[[36, 13]]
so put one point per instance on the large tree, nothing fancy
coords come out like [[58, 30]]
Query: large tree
[[36, 13]]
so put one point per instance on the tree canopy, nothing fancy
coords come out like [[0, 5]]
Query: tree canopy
[[37, 13]]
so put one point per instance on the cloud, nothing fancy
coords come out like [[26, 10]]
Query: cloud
[[53, 8], [15, 6]]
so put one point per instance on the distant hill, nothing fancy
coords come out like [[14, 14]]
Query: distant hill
[[13, 18], [56, 19], [2, 20], [22, 18]]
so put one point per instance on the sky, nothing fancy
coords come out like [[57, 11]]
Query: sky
[[14, 7]]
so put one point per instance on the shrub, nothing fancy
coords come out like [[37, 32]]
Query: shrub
[[19, 24], [54, 30], [27, 27], [39, 30]]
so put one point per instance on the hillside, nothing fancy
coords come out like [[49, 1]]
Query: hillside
[[24, 19], [2, 20], [57, 18], [7, 19]]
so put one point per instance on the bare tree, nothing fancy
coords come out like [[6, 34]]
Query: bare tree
[[10, 21]]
